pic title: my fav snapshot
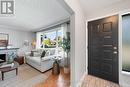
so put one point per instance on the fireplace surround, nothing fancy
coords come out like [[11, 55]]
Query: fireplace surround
[[2, 58], [8, 54]]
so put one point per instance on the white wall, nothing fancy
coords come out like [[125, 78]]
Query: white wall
[[17, 38], [78, 42], [124, 79], [115, 8]]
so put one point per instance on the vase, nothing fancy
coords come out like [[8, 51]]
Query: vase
[[56, 68]]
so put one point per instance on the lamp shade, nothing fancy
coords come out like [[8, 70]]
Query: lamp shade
[[33, 43]]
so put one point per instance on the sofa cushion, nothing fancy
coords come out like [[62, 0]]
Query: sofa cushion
[[43, 53], [27, 53], [46, 58], [31, 54], [40, 50], [52, 52], [36, 54], [36, 60], [47, 53]]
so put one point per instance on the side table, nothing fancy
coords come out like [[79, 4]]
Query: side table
[[19, 59]]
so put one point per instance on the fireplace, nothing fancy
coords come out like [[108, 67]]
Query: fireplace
[[2, 58]]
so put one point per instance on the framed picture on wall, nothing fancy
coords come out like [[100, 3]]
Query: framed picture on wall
[[4, 40]]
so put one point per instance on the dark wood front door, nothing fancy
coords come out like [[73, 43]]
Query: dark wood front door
[[103, 48]]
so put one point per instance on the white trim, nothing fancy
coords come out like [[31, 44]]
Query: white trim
[[96, 18], [121, 13], [115, 13], [86, 47], [81, 80], [120, 47], [72, 35], [72, 59]]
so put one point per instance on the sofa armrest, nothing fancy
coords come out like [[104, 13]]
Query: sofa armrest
[[47, 58], [27, 53]]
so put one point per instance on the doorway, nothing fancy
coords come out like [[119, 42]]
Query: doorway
[[103, 48]]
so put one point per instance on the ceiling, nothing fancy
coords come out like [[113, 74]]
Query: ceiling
[[93, 7], [37, 14], [33, 15]]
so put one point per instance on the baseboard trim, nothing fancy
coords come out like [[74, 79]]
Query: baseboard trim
[[39, 70], [81, 80]]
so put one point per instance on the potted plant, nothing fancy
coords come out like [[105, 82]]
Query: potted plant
[[66, 48]]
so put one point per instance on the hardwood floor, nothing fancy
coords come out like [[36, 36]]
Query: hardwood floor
[[61, 80], [91, 81]]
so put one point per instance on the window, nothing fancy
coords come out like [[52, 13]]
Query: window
[[60, 37], [52, 39], [126, 43], [49, 40]]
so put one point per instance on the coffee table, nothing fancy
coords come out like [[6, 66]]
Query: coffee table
[[9, 68]]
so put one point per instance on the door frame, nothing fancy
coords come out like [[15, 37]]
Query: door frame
[[116, 74], [72, 37], [120, 13]]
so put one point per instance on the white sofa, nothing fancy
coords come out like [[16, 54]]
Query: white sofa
[[42, 64]]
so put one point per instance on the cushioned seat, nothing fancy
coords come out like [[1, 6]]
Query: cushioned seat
[[42, 64], [35, 60]]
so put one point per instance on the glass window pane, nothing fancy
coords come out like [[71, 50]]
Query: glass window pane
[[50, 39], [126, 43], [60, 37]]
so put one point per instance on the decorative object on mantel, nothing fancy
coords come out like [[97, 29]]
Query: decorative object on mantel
[[33, 44], [4, 40], [26, 43], [10, 57], [66, 47]]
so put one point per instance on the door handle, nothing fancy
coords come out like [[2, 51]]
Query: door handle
[[115, 48], [115, 52]]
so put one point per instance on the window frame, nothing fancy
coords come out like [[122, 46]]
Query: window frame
[[51, 30]]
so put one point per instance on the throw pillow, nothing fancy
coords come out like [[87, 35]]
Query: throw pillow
[[43, 53], [31, 54], [47, 53], [52, 52], [36, 54]]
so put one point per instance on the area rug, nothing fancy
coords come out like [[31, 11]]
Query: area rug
[[27, 77]]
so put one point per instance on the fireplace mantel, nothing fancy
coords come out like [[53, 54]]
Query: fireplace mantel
[[9, 48]]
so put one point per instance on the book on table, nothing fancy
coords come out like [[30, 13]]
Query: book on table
[[7, 65]]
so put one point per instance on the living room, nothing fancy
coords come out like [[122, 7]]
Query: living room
[[35, 45], [64, 43]]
